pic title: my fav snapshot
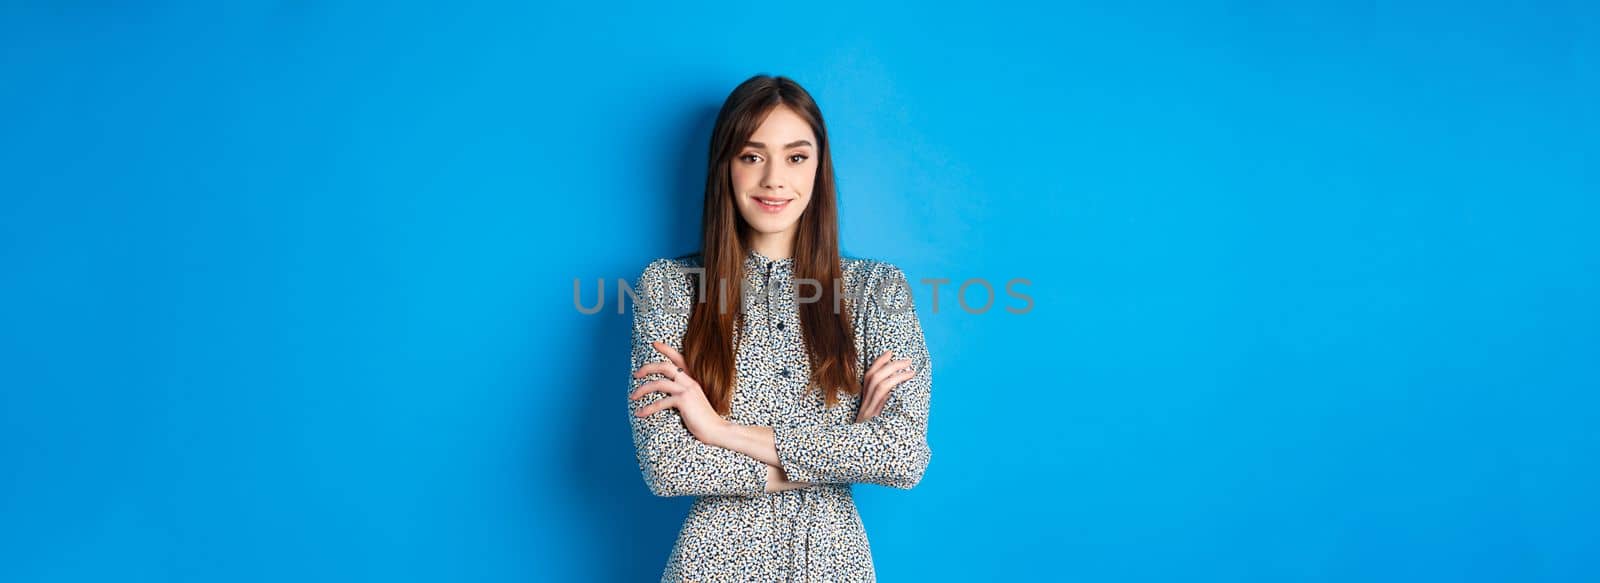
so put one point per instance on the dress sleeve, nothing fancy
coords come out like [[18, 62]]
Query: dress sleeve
[[891, 448], [672, 460]]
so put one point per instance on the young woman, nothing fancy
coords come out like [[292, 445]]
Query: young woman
[[770, 372]]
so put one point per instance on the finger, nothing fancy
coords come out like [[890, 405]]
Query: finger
[[878, 381], [863, 402], [874, 405], [672, 373], [887, 370], [662, 368], [664, 387], [672, 354], [864, 407], [893, 383], [877, 362], [881, 396], [871, 409], [869, 387], [656, 407], [871, 398], [890, 383]]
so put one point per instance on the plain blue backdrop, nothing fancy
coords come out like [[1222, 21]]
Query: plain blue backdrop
[[286, 287]]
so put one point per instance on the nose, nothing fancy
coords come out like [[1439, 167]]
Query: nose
[[770, 179]]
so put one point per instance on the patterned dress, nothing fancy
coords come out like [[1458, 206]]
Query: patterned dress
[[735, 530]]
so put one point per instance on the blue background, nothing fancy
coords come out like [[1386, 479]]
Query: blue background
[[286, 288]]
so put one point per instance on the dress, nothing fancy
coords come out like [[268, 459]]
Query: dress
[[735, 530]]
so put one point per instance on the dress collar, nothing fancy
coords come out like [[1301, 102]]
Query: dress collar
[[756, 262]]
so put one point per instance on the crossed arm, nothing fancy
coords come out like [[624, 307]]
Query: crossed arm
[[684, 448], [757, 441], [686, 397], [761, 442]]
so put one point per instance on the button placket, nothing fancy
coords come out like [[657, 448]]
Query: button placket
[[777, 307]]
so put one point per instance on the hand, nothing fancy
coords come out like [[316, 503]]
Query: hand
[[882, 377], [682, 393]]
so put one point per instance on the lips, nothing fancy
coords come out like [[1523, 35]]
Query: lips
[[772, 204]]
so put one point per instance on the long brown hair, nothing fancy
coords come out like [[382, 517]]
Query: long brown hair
[[708, 342]]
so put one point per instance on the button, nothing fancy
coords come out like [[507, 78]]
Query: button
[[784, 372], [780, 325]]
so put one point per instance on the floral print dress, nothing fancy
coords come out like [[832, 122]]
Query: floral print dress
[[735, 530]]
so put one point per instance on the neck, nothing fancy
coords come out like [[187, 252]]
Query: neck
[[774, 245]]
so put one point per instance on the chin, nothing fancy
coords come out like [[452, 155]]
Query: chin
[[769, 224], [770, 227]]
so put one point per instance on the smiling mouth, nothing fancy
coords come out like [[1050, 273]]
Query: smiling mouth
[[773, 203]]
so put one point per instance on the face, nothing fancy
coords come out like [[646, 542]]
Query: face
[[777, 165]]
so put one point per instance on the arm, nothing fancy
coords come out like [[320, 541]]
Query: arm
[[672, 460], [889, 449], [777, 482], [756, 441]]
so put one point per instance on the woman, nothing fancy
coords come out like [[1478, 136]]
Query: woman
[[770, 372]]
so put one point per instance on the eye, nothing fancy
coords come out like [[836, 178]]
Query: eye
[[747, 158], [802, 158]]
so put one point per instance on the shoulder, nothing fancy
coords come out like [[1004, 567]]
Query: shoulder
[[869, 269], [875, 278], [665, 276], [668, 267]]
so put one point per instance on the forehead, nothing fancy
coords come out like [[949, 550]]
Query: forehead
[[782, 126]]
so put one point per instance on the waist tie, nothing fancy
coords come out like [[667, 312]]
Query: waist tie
[[796, 511]]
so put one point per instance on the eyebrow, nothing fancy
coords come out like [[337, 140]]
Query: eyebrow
[[794, 144]]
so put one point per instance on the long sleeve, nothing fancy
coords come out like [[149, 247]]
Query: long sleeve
[[672, 461], [890, 449]]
